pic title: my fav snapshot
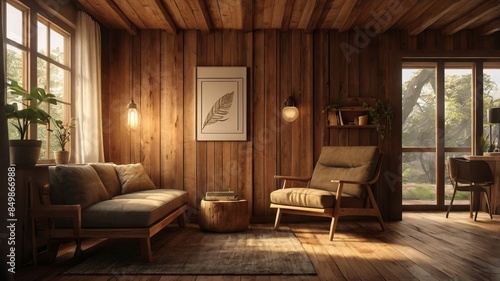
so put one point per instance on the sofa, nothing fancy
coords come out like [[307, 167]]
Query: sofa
[[105, 200]]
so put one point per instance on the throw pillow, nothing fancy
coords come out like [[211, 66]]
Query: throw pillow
[[133, 178], [79, 184], [109, 178]]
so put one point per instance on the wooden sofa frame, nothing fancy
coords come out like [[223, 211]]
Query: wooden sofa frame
[[40, 207]]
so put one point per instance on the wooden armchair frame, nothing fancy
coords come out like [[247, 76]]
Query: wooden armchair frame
[[370, 204]]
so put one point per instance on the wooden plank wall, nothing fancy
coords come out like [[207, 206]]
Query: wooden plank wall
[[158, 69]]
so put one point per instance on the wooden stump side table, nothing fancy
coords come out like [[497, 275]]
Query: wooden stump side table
[[224, 215]]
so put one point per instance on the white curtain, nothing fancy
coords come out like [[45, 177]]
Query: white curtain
[[87, 101]]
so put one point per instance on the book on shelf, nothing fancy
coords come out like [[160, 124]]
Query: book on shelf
[[340, 118], [220, 195]]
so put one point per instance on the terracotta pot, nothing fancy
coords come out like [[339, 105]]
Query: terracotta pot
[[363, 120], [24, 152], [61, 157]]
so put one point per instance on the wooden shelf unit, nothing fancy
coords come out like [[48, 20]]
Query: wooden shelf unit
[[351, 126], [347, 116]]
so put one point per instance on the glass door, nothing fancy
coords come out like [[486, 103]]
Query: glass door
[[419, 134], [458, 116], [437, 118]]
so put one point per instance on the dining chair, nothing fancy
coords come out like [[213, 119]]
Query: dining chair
[[474, 176]]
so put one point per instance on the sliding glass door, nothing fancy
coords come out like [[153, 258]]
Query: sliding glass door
[[458, 116], [437, 119], [419, 138]]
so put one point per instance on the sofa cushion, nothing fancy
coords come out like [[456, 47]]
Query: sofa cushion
[[139, 209], [108, 176], [76, 184], [355, 163], [133, 178], [299, 196]]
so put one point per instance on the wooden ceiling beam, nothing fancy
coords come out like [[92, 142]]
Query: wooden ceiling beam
[[483, 10], [315, 16], [175, 12], [277, 14], [354, 19], [380, 15], [225, 14], [490, 28], [106, 8], [307, 13], [236, 15], [392, 13], [201, 14], [131, 13], [247, 10], [434, 13], [287, 15], [170, 24], [344, 13]]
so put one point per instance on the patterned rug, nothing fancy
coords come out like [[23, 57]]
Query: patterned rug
[[189, 251]]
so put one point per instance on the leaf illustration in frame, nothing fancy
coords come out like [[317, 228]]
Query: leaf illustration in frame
[[219, 110]]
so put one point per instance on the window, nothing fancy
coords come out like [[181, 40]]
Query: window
[[438, 121], [491, 98], [51, 55]]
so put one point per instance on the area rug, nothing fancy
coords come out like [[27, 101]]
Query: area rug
[[189, 251]]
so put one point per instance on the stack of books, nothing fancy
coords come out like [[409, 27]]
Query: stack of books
[[220, 195]]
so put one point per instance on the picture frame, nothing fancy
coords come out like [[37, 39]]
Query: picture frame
[[221, 103]]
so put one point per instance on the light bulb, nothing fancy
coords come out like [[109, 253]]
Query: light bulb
[[290, 113], [133, 116]]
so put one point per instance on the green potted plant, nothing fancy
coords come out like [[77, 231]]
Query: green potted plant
[[62, 133], [381, 116], [25, 151]]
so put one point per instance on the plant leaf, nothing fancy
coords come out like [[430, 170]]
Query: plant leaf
[[219, 110]]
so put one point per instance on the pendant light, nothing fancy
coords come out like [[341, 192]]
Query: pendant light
[[133, 116]]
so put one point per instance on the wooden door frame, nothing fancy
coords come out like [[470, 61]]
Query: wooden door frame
[[477, 58]]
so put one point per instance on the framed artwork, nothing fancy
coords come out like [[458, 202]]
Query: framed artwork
[[221, 103]]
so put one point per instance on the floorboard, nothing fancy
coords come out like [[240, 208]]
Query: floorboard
[[423, 246]]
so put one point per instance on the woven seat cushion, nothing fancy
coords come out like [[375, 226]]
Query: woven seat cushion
[[300, 196]]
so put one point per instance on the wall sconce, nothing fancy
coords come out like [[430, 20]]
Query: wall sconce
[[133, 116], [290, 112], [494, 117]]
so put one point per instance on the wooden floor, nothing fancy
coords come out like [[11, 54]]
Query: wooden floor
[[424, 246]]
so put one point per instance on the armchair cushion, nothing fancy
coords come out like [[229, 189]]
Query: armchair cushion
[[299, 196], [354, 163]]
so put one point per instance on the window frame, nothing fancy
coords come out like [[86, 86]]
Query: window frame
[[478, 66], [32, 14]]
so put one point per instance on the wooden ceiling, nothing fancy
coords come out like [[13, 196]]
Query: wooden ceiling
[[415, 16]]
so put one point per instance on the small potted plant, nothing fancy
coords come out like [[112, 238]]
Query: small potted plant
[[381, 116], [24, 112], [62, 133]]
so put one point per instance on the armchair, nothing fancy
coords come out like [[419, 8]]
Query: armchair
[[339, 186]]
